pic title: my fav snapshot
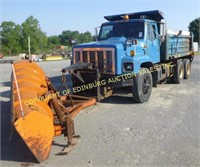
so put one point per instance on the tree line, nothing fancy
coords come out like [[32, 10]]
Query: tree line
[[14, 38], [194, 27]]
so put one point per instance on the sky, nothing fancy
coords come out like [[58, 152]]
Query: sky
[[56, 16]]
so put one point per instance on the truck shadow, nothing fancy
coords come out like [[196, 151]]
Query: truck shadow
[[120, 96], [117, 99]]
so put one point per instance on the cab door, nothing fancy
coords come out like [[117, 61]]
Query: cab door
[[153, 44]]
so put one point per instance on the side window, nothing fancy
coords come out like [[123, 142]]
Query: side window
[[151, 32], [106, 31], [154, 32]]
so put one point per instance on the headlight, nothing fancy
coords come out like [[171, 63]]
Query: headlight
[[128, 66]]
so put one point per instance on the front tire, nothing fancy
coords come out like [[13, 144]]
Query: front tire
[[142, 87]]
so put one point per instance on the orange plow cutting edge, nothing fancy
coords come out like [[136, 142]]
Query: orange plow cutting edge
[[38, 118]]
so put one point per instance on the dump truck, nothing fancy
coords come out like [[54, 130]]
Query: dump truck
[[133, 50]]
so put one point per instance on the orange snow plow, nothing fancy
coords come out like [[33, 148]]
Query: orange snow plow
[[39, 112]]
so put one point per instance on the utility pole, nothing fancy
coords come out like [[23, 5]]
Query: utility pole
[[40, 39], [29, 46], [0, 40], [0, 43]]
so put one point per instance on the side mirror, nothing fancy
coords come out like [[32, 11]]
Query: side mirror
[[97, 29], [162, 30], [162, 38]]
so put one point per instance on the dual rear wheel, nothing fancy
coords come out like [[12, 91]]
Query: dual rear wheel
[[181, 71]]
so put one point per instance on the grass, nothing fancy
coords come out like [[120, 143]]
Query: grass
[[197, 53]]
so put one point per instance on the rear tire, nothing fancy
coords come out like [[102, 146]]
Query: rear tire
[[142, 87], [187, 68], [178, 73]]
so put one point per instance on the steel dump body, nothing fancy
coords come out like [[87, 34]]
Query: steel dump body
[[176, 46]]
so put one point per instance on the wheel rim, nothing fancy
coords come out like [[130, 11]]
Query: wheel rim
[[146, 85], [181, 73], [188, 69]]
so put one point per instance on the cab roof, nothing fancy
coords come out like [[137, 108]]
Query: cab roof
[[152, 15]]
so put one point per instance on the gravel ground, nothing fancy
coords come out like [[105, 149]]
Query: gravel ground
[[118, 132]]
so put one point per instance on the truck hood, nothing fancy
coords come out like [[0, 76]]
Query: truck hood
[[111, 42], [114, 42]]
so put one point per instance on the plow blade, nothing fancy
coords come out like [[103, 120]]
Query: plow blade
[[40, 113], [37, 132], [32, 119]]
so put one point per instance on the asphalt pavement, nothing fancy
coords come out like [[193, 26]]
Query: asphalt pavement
[[117, 131]]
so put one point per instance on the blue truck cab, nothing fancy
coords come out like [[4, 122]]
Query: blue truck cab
[[136, 41], [134, 50]]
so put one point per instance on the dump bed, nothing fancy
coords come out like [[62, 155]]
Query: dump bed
[[177, 44]]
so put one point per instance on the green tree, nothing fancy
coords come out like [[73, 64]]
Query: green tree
[[11, 38], [67, 37], [85, 37], [194, 27], [38, 39], [53, 41]]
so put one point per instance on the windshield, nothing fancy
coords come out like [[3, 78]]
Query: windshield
[[125, 29]]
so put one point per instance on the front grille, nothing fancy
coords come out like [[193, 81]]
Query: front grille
[[100, 58]]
